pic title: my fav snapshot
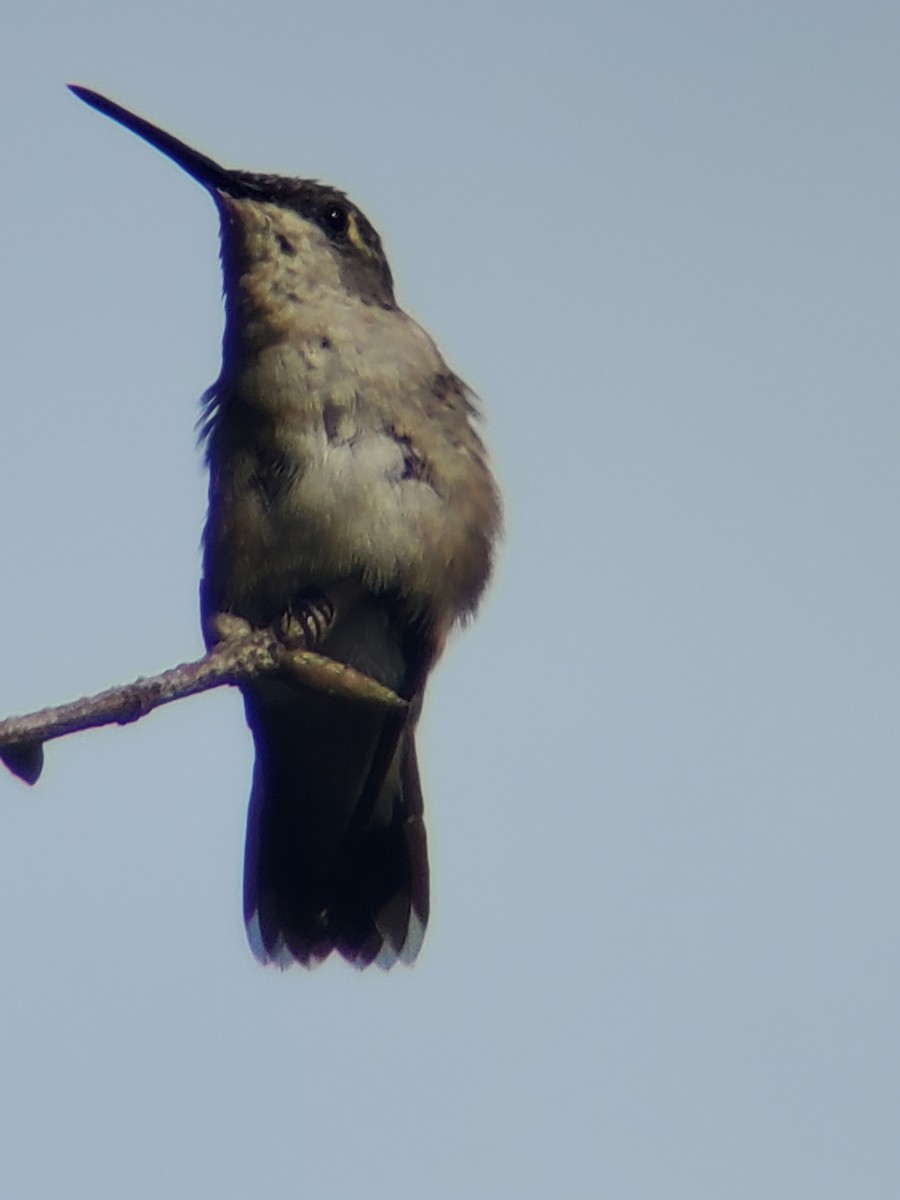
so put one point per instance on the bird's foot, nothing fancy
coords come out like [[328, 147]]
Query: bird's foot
[[307, 621]]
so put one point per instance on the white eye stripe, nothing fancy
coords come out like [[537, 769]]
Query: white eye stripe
[[357, 239]]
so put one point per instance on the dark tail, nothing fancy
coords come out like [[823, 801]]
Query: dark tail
[[336, 857]]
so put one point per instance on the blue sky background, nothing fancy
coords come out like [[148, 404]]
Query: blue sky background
[[660, 240]]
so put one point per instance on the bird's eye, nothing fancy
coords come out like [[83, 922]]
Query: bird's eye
[[335, 220]]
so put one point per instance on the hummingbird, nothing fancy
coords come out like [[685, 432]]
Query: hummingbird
[[352, 509]]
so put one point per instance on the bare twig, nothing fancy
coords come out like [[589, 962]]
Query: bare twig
[[243, 656]]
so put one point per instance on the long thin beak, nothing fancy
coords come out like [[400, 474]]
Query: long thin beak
[[197, 165]]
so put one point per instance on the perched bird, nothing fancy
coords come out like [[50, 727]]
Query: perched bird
[[351, 507]]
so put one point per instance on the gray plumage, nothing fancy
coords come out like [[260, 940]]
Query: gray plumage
[[350, 495]]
